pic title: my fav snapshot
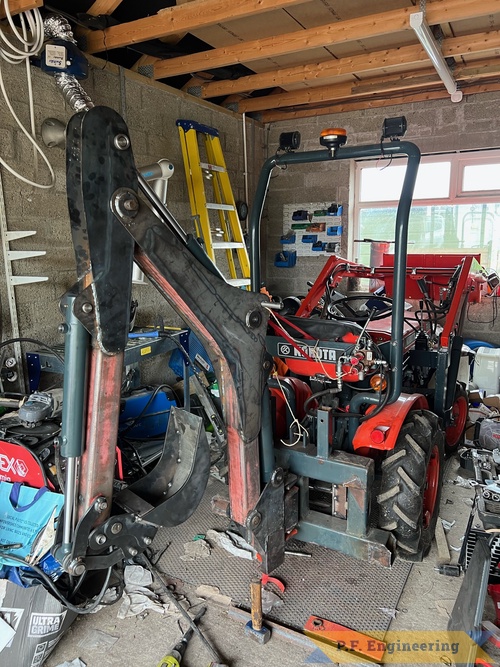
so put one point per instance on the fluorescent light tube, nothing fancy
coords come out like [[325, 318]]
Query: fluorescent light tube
[[426, 38]]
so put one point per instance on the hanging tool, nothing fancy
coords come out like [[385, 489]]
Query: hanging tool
[[198, 173], [173, 659], [254, 628]]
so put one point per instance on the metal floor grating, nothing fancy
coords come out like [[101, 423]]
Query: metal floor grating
[[329, 584]]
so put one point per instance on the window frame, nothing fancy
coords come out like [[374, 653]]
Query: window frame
[[457, 196]]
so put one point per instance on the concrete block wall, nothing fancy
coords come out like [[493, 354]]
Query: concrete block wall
[[435, 126], [150, 110]]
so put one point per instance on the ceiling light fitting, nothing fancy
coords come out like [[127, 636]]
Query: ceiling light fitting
[[428, 41]]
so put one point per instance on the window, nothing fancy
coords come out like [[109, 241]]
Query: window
[[456, 205]]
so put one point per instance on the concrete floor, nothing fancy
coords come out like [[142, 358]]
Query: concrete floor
[[427, 599]]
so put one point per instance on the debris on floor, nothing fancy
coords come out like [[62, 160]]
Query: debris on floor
[[233, 543], [198, 548], [74, 663], [98, 640], [212, 593], [138, 596]]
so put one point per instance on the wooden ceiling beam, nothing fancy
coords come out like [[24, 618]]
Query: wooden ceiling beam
[[18, 6], [101, 7], [144, 63], [371, 103], [374, 86], [187, 17], [366, 62], [363, 27], [338, 92]]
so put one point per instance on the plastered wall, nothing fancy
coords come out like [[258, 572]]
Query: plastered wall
[[150, 110], [435, 126]]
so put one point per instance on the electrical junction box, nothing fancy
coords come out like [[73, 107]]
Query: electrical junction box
[[60, 56], [55, 56]]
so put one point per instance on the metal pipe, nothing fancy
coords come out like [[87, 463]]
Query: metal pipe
[[401, 233], [72, 438], [73, 93], [254, 221], [245, 157], [161, 209], [70, 499], [266, 443]]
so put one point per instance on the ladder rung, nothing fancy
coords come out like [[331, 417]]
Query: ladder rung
[[212, 167], [220, 207], [227, 245], [239, 282]]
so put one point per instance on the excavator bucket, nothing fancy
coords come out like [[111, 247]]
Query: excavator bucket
[[171, 492]]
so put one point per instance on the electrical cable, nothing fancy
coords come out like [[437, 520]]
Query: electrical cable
[[15, 55], [157, 575], [143, 411], [35, 341], [300, 429], [48, 581], [494, 312]]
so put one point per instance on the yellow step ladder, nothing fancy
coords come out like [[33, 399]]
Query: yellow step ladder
[[225, 232]]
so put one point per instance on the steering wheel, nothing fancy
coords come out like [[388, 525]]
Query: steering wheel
[[352, 315]]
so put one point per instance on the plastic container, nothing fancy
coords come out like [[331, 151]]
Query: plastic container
[[285, 259], [487, 370]]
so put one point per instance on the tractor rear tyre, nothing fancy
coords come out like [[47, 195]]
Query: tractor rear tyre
[[412, 475], [454, 434]]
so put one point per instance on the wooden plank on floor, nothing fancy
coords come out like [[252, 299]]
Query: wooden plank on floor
[[443, 556]]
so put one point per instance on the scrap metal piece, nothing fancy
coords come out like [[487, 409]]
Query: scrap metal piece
[[468, 610]]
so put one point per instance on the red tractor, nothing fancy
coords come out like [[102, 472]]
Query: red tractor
[[338, 352]]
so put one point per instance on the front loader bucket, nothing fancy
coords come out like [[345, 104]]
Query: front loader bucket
[[171, 492]]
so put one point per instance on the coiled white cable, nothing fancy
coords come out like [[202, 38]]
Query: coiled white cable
[[11, 53]]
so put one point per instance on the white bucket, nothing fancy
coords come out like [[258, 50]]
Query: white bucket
[[486, 374]]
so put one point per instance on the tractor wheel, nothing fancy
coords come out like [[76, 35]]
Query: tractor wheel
[[455, 431], [412, 475]]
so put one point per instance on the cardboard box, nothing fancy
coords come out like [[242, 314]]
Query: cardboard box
[[481, 412], [38, 620], [492, 401]]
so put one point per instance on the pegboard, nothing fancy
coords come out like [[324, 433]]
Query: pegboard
[[319, 233]]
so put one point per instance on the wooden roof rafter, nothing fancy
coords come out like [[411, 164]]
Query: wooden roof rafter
[[366, 62], [103, 7], [186, 17], [376, 86], [341, 32], [18, 6], [278, 115]]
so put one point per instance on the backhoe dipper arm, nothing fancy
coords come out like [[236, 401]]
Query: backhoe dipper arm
[[230, 323]]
